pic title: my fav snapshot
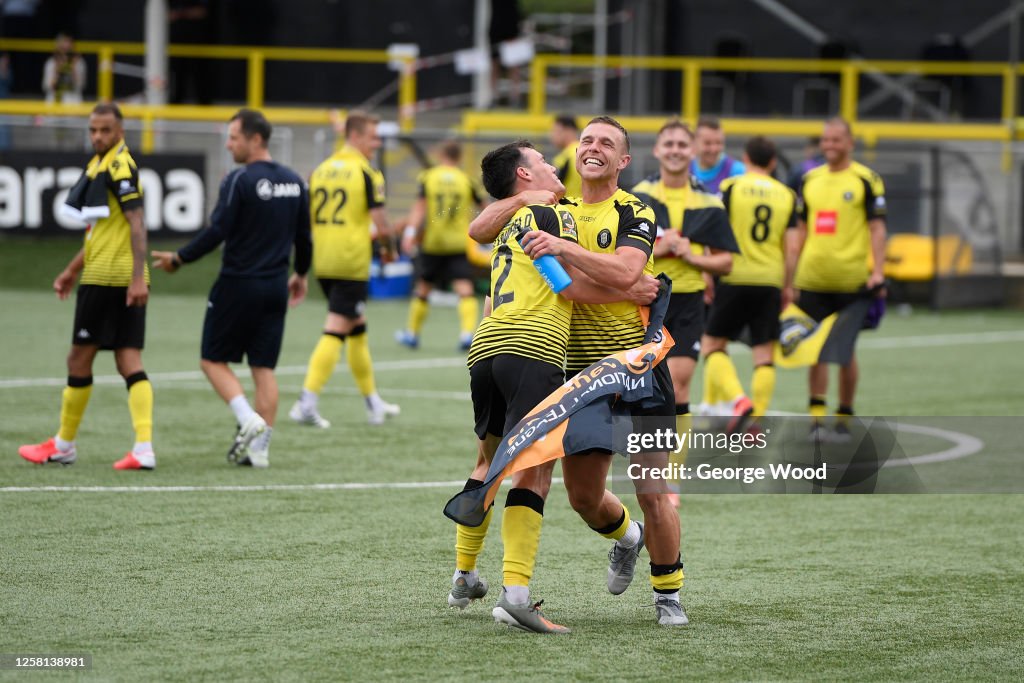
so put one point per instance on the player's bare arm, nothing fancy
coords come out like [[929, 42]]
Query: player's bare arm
[[65, 280], [412, 236], [795, 238], [620, 270], [713, 261], [585, 290], [168, 261], [493, 217], [138, 291]]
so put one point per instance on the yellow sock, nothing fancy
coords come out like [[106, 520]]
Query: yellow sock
[[520, 532], [140, 405], [722, 373], [816, 408], [418, 310], [469, 543], [72, 407], [620, 530], [360, 363], [762, 386], [321, 363], [668, 582], [467, 314]]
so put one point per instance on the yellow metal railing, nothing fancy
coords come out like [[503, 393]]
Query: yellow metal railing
[[255, 57], [849, 74]]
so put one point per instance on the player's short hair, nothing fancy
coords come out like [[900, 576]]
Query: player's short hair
[[253, 122], [709, 122], [108, 108], [608, 120], [451, 149], [760, 150], [357, 121], [567, 121], [498, 168], [840, 121], [675, 124]]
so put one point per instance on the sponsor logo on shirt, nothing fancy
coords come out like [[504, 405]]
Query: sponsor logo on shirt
[[825, 222], [267, 190]]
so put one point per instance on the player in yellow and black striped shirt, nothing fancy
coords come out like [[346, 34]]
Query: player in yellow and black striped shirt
[[761, 209], [622, 229], [682, 205], [438, 224], [346, 202], [842, 223], [516, 360], [110, 308]]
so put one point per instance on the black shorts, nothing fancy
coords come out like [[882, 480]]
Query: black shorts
[[346, 297], [737, 307], [102, 319], [506, 387], [245, 316], [685, 322], [820, 305], [441, 269]]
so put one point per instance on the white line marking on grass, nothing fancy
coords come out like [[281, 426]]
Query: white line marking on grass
[[283, 371], [352, 486], [963, 445]]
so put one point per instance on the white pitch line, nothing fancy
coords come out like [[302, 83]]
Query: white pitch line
[[871, 343], [963, 445], [283, 371], [352, 486]]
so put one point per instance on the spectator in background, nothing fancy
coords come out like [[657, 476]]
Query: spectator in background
[[565, 136], [64, 73], [505, 19], [712, 165], [813, 158], [190, 24]]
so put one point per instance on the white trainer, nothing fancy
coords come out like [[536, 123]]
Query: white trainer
[[248, 432], [309, 417], [380, 411]]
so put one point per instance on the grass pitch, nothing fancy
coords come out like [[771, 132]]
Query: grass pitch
[[206, 581]]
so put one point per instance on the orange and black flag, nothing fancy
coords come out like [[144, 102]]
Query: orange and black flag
[[577, 416]]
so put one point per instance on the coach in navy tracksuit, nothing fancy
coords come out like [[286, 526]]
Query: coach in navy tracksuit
[[261, 213]]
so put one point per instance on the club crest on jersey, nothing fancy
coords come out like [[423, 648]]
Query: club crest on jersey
[[848, 196], [568, 224], [604, 238]]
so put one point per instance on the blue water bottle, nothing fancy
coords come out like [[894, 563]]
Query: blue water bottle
[[550, 269]]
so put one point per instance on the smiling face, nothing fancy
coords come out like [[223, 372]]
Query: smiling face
[[602, 152], [540, 175], [709, 143], [836, 144], [674, 150]]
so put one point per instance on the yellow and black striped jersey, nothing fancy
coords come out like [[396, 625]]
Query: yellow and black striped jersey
[[674, 207], [108, 241], [837, 208], [599, 330], [342, 191], [451, 196], [760, 209], [527, 318], [565, 163]]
